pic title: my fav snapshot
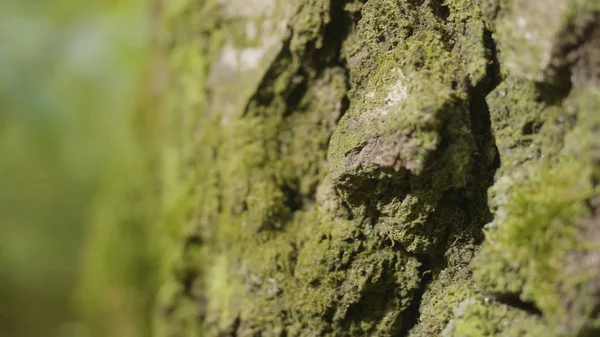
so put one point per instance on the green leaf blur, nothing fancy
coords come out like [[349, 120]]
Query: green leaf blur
[[77, 193]]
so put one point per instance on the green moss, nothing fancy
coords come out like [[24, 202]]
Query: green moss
[[525, 255], [478, 316], [262, 163], [407, 132], [583, 141], [188, 190], [440, 304], [276, 239], [327, 276], [527, 129], [539, 198], [386, 283]]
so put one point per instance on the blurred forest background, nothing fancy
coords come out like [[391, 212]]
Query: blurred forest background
[[80, 85]]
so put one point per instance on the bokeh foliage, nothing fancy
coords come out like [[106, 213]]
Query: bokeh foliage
[[78, 194]]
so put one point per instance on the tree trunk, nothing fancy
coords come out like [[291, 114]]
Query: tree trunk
[[382, 168]]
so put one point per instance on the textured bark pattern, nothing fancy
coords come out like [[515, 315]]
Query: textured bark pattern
[[382, 168]]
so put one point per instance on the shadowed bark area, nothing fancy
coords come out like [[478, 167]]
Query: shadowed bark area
[[382, 168]]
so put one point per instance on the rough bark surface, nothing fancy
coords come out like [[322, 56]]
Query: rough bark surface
[[382, 168]]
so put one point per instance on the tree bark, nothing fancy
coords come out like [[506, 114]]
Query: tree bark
[[382, 168]]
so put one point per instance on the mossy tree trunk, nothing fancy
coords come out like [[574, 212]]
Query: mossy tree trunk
[[382, 168]]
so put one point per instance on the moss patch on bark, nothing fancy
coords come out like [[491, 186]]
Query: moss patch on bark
[[331, 164]]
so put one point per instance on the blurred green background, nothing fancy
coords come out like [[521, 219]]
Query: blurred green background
[[80, 85]]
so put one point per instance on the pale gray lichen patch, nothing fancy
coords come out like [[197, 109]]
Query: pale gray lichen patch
[[248, 8], [550, 41], [393, 152], [242, 62]]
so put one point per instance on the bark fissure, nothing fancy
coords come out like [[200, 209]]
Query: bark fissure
[[413, 316]]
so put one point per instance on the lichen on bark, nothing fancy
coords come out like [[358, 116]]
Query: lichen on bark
[[381, 168]]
